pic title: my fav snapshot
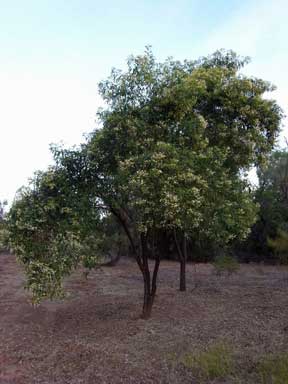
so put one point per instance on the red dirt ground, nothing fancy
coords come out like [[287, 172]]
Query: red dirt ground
[[96, 335]]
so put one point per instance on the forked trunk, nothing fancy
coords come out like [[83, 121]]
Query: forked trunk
[[150, 286], [142, 261]]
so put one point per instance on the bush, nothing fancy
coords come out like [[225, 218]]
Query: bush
[[273, 369], [3, 237], [225, 264], [280, 246], [215, 362]]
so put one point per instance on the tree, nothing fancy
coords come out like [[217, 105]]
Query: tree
[[272, 197], [169, 156], [206, 112]]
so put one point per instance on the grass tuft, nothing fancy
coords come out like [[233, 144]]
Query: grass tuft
[[273, 369], [215, 362]]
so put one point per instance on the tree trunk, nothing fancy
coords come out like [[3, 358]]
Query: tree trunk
[[183, 275], [183, 266], [142, 261], [150, 287], [182, 257], [149, 292], [147, 306]]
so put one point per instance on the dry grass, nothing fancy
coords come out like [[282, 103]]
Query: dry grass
[[97, 336], [273, 369], [215, 362]]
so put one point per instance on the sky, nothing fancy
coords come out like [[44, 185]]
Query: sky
[[53, 53]]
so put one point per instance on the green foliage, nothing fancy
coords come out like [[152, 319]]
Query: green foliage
[[3, 236], [225, 264], [280, 246], [164, 189], [47, 232], [179, 144], [272, 196], [229, 211], [44, 274], [186, 103], [171, 152], [273, 193], [214, 363], [273, 369]]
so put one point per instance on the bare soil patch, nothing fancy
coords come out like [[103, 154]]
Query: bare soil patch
[[96, 335]]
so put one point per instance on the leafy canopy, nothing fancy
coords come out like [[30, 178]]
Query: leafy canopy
[[170, 153]]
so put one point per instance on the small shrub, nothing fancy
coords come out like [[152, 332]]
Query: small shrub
[[215, 362], [273, 369], [280, 246], [225, 264]]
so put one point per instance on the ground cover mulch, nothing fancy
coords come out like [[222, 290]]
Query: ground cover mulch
[[96, 334]]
